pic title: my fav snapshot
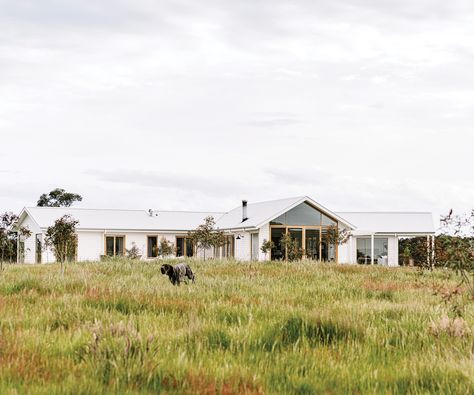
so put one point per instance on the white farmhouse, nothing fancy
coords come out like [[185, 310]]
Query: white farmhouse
[[105, 232]]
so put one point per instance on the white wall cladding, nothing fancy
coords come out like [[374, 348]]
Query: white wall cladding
[[393, 251], [344, 253], [30, 242], [90, 246], [242, 246], [263, 234]]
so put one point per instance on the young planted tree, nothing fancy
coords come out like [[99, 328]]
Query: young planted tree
[[166, 248], [9, 234], [293, 250], [267, 246], [205, 236], [457, 245], [62, 239], [58, 198], [134, 253]]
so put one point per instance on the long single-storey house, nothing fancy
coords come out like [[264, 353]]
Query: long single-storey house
[[373, 236]]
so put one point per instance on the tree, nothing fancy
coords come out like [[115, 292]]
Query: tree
[[58, 198], [292, 247], [134, 252], [457, 245], [9, 232], [62, 239], [337, 236], [205, 236], [267, 246], [166, 248]]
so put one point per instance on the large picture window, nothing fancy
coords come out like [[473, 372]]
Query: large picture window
[[115, 245], [303, 215], [364, 249]]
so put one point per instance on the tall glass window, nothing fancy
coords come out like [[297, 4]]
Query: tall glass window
[[152, 246], [364, 249], [312, 244], [278, 253]]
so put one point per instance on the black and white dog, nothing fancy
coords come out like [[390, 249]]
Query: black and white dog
[[178, 273]]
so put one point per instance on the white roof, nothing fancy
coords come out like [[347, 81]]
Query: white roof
[[263, 212], [258, 215], [390, 222], [108, 219]]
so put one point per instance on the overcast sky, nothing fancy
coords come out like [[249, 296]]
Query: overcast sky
[[195, 105]]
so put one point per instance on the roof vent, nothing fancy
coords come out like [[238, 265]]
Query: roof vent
[[244, 211]]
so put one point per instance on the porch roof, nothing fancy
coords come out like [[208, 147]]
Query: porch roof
[[400, 223]]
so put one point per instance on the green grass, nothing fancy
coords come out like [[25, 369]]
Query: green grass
[[305, 328]]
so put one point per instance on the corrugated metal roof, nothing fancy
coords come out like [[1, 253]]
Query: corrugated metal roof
[[122, 219], [257, 213], [391, 222], [262, 212]]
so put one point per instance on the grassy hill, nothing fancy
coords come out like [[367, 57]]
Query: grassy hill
[[305, 328]]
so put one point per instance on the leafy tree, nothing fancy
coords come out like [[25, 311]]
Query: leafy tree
[[205, 236], [336, 236], [9, 232], [166, 248], [291, 245], [62, 239], [267, 246], [457, 245], [58, 198], [134, 252], [417, 249]]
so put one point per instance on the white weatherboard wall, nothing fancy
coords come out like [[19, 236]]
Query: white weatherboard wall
[[90, 245], [263, 234], [343, 253], [393, 251], [30, 242], [242, 246]]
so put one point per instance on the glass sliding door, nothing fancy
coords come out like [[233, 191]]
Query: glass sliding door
[[278, 253], [328, 247], [313, 244]]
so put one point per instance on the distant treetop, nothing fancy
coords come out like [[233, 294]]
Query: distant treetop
[[58, 198]]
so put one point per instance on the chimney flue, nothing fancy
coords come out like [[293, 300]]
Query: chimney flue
[[244, 210]]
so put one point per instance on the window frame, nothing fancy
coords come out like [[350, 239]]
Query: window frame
[[114, 236]]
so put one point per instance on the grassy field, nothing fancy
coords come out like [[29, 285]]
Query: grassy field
[[273, 328]]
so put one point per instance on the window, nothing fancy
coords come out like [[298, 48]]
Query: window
[[303, 214], [114, 245], [228, 247], [39, 248], [312, 244], [152, 242], [278, 253], [328, 247], [184, 246], [364, 249]]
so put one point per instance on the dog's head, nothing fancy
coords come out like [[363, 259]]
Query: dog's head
[[166, 269]]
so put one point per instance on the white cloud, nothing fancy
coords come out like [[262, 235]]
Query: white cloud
[[373, 99]]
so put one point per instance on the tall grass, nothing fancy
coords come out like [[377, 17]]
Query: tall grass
[[304, 328]]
